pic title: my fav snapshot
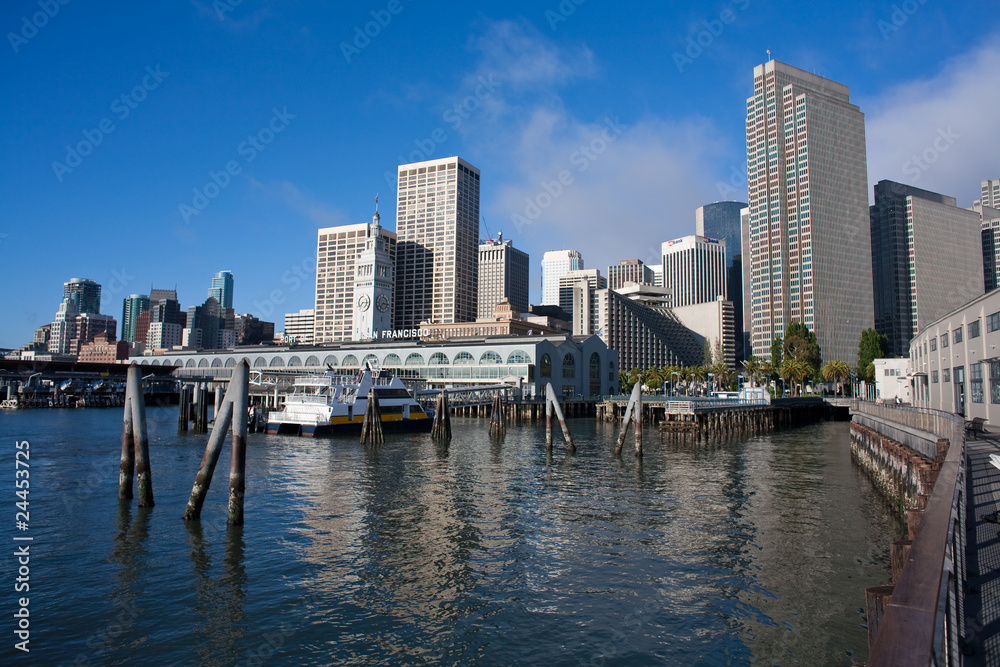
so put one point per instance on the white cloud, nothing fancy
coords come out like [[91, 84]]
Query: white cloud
[[304, 203], [940, 133]]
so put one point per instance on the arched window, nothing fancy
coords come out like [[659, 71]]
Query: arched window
[[415, 359], [312, 360], [350, 361], [595, 374], [189, 364], [518, 357], [216, 363], [546, 366], [490, 357], [230, 363], [438, 358], [277, 362], [330, 360], [156, 362], [260, 362], [392, 360], [369, 359], [569, 366], [294, 361], [464, 359], [203, 363]]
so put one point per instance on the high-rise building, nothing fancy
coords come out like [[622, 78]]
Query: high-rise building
[[337, 251], [721, 220], [63, 329], [252, 331], [134, 306], [164, 335], [990, 193], [217, 326], [629, 271], [643, 336], [578, 297], [555, 264], [694, 269], [989, 224], [85, 293], [745, 324], [914, 234], [373, 286], [810, 243], [657, 270], [299, 326], [437, 252], [222, 288], [157, 294], [503, 275]]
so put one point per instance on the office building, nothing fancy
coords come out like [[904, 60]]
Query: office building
[[657, 270], [63, 329], [437, 252], [555, 264], [210, 326], [252, 331], [723, 220], [745, 324], [337, 251], [629, 271], [503, 276], [989, 227], [85, 293], [299, 326], [578, 298], [921, 249], [694, 269], [164, 335], [645, 337], [222, 288], [990, 193], [134, 306], [505, 321], [712, 321], [810, 244]]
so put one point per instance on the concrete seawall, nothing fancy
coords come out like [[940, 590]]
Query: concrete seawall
[[904, 476]]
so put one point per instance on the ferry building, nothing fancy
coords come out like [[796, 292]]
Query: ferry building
[[575, 365]]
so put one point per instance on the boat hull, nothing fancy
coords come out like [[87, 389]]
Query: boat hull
[[347, 427]]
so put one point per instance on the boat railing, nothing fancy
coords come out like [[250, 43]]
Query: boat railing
[[318, 399]]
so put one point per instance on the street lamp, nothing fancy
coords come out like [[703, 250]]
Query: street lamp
[[672, 374], [690, 383]]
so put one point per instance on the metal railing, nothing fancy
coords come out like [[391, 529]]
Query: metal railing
[[924, 620]]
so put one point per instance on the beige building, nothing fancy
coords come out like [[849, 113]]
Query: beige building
[[629, 271], [694, 269], [437, 254], [713, 321], [337, 251], [299, 326], [810, 245], [506, 321], [503, 275]]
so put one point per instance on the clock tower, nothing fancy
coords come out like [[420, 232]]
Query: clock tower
[[373, 284]]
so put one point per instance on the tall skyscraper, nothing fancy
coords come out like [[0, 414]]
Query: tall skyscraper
[[134, 306], [629, 271], [694, 270], [373, 286], [555, 264], [437, 252], [810, 241], [989, 223], [503, 274], [578, 297], [85, 293], [915, 235], [337, 251], [222, 288], [299, 326], [721, 220], [990, 193]]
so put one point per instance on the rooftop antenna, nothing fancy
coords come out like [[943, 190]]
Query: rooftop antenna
[[769, 55], [489, 236]]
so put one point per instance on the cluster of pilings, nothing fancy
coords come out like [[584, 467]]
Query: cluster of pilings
[[441, 428], [135, 443], [552, 405], [518, 411], [371, 428], [498, 422], [632, 412], [723, 422], [194, 407]]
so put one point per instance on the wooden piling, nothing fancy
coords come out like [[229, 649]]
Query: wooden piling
[[548, 424], [638, 426], [238, 461], [899, 555], [371, 428], [876, 600], [143, 472], [551, 396], [633, 401], [208, 462], [218, 402], [497, 425], [183, 409], [127, 468]]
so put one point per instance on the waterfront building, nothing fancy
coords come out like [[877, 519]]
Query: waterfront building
[[299, 326], [892, 381], [578, 298], [85, 293], [694, 269], [337, 251], [921, 249], [134, 306], [373, 286], [954, 365], [575, 365], [629, 271], [555, 264], [222, 288], [506, 321], [723, 220], [253, 331], [645, 337], [713, 321], [810, 244], [503, 276], [437, 255]]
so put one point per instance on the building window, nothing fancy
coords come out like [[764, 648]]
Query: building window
[[569, 366], [956, 336], [993, 322], [995, 382], [973, 329], [933, 343], [934, 377], [545, 370], [944, 340], [946, 375], [976, 382]]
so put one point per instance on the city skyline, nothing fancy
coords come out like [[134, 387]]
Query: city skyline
[[249, 149]]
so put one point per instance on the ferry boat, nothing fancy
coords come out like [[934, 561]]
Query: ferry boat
[[331, 403]]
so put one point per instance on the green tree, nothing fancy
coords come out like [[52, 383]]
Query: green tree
[[873, 345], [751, 368], [795, 372], [777, 345], [800, 344], [707, 352]]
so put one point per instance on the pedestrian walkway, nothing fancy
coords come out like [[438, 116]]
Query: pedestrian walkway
[[982, 600]]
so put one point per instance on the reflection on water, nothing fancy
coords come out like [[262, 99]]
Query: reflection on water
[[480, 551]]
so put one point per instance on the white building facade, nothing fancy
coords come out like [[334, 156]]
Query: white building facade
[[555, 264]]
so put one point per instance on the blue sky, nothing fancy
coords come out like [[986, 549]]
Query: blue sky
[[160, 144]]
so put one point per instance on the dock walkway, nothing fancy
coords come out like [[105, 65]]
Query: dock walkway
[[982, 557]]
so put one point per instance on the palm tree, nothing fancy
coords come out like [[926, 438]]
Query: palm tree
[[795, 371], [722, 375], [752, 368], [837, 371], [698, 373]]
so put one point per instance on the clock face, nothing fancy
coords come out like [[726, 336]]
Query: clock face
[[382, 302], [364, 302]]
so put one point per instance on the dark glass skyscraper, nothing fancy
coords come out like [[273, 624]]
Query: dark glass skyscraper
[[85, 293], [222, 288], [721, 220]]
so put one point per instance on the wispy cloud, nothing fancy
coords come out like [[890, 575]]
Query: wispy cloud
[[939, 133], [226, 13], [303, 202]]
